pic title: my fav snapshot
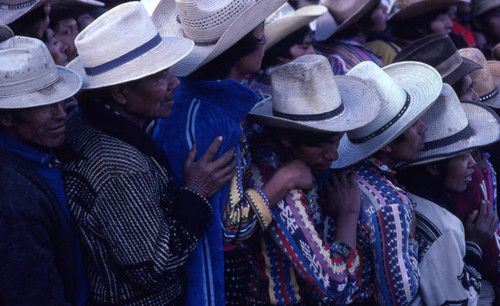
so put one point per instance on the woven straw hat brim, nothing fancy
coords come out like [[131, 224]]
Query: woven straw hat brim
[[419, 8], [464, 69], [281, 28], [169, 52], [165, 19], [485, 125], [8, 16], [494, 67], [355, 94], [5, 33], [326, 25], [423, 84], [65, 87]]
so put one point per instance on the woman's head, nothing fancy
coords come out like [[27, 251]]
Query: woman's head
[[244, 57], [318, 150], [434, 22], [291, 47]]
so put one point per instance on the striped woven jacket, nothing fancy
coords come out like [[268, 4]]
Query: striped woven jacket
[[137, 231], [345, 54]]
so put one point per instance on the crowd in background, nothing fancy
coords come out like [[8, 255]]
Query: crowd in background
[[249, 152]]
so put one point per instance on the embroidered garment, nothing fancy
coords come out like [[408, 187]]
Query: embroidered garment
[[290, 261], [261, 83], [136, 229], [345, 54], [202, 111], [389, 266], [449, 266]]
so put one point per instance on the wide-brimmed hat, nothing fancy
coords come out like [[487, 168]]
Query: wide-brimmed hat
[[483, 81], [454, 127], [73, 7], [286, 20], [405, 9], [407, 90], [496, 52], [480, 7], [342, 14], [438, 51], [214, 25], [10, 10], [30, 77], [5, 32], [124, 45], [307, 96]]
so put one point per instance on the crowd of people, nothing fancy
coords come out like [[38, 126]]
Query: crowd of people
[[249, 152]]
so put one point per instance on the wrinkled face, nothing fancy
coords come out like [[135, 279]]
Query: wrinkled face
[[66, 32], [411, 145], [151, 98], [56, 48], [379, 19], [459, 172], [441, 25], [321, 156], [492, 25], [41, 126], [251, 62], [467, 92], [306, 47]]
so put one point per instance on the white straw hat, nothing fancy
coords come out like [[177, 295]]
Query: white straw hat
[[342, 14], [214, 25], [286, 20], [454, 127], [10, 10], [123, 45], [29, 76], [5, 32], [407, 90], [307, 96]]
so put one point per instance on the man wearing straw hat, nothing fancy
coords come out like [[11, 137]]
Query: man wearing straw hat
[[291, 263], [137, 229], [212, 99], [452, 237], [40, 257], [389, 273], [485, 17]]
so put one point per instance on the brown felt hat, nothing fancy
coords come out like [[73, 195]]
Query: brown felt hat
[[480, 7], [405, 9], [438, 51]]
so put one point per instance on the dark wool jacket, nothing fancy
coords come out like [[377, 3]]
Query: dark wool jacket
[[37, 253], [137, 231]]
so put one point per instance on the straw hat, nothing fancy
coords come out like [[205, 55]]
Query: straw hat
[[10, 10], [124, 45], [5, 33], [407, 90], [480, 7], [496, 52], [483, 81], [214, 25], [405, 9], [438, 51], [342, 15], [307, 96], [454, 127], [29, 76], [286, 20]]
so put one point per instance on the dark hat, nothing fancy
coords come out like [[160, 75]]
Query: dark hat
[[438, 51], [479, 7], [405, 9]]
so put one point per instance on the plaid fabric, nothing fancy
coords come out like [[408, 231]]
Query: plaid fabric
[[290, 260], [345, 54], [136, 230], [388, 255]]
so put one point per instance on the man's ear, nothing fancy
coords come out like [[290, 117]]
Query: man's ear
[[432, 168], [6, 120], [119, 94]]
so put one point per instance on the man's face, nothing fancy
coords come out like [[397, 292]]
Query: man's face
[[41, 127], [66, 32], [413, 142], [466, 91]]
